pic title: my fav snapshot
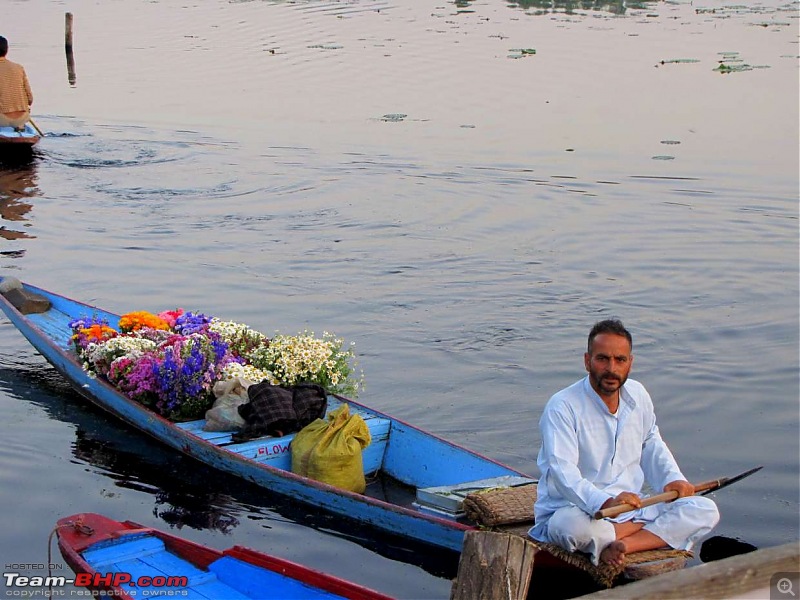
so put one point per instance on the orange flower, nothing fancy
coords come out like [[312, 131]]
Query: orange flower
[[136, 320], [96, 333]]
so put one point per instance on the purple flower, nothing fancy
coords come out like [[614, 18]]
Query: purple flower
[[135, 377], [189, 323], [175, 379]]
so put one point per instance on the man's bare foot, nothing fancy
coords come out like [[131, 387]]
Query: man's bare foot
[[614, 553]]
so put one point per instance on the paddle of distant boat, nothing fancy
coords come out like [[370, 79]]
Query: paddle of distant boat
[[124, 559]]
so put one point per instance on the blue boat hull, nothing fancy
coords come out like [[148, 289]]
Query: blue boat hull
[[411, 456], [12, 139]]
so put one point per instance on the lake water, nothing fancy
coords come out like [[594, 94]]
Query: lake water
[[461, 189]]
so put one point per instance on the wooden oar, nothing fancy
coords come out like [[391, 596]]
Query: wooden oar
[[705, 487], [35, 126]]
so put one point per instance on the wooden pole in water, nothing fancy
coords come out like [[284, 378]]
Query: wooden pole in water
[[68, 31], [68, 48], [493, 566]]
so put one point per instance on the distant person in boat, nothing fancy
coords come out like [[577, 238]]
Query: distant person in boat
[[600, 445], [15, 91]]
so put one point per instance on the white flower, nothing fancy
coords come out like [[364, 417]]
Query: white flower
[[109, 350], [249, 372]]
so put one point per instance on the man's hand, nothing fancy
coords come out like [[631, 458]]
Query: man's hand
[[684, 488], [628, 498]]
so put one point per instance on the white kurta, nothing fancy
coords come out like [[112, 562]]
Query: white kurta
[[589, 455]]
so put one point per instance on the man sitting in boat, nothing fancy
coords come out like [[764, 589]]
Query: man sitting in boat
[[15, 91], [600, 444]]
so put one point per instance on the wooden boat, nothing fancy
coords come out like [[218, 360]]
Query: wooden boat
[[401, 458], [126, 560], [10, 138]]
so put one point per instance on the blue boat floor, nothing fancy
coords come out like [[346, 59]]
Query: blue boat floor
[[146, 560]]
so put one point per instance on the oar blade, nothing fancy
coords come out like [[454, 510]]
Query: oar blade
[[725, 482]]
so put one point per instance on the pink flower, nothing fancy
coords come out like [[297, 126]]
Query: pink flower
[[170, 316]]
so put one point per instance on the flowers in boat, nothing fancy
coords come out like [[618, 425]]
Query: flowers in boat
[[90, 330], [170, 316], [189, 322], [235, 370], [102, 355], [241, 340], [137, 320], [171, 361], [293, 359]]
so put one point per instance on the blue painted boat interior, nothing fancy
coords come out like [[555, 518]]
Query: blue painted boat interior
[[141, 555], [274, 451], [55, 322], [397, 450], [10, 132]]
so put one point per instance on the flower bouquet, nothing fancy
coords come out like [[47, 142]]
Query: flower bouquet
[[170, 361]]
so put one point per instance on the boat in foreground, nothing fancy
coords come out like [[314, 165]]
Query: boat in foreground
[[402, 462], [125, 559], [10, 138]]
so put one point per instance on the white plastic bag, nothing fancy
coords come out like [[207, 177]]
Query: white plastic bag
[[224, 415]]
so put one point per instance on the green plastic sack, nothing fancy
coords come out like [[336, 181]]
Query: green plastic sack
[[330, 451]]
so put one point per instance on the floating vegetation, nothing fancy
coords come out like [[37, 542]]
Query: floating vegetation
[[663, 157], [571, 7], [327, 46], [521, 52], [732, 63], [728, 68], [771, 24], [678, 61], [735, 9], [670, 142], [393, 117]]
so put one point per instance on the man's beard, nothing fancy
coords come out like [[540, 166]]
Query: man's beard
[[604, 381]]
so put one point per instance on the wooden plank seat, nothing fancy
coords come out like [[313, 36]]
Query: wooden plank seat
[[275, 451]]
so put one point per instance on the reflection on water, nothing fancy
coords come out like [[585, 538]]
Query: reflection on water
[[17, 186], [719, 547], [189, 504]]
